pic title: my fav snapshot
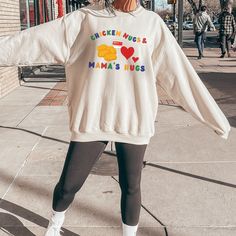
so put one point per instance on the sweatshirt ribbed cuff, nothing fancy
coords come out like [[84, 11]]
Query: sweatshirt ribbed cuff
[[224, 135]]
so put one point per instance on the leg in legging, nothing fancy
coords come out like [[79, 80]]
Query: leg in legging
[[80, 158], [130, 162]]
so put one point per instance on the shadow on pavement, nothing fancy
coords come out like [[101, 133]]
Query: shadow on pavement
[[10, 224], [196, 55], [192, 175], [34, 133], [232, 120], [43, 79], [44, 88], [223, 88]]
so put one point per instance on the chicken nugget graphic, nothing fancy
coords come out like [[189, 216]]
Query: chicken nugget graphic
[[107, 52]]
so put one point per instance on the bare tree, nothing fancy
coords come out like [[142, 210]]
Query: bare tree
[[226, 3], [165, 14], [193, 5], [199, 4], [195, 8], [213, 8]]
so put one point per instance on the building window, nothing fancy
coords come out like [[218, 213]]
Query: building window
[[34, 12]]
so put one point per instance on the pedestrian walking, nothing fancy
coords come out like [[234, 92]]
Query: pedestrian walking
[[201, 22], [113, 62], [227, 30]]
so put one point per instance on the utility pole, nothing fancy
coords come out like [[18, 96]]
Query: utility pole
[[43, 10], [180, 22], [174, 18], [28, 15], [67, 6], [36, 13], [153, 5], [173, 2]]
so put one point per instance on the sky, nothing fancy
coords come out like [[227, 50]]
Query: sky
[[162, 4]]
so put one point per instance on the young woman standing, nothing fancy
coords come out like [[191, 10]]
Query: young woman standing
[[114, 56]]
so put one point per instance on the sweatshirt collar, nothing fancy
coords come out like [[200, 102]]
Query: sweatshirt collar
[[101, 10]]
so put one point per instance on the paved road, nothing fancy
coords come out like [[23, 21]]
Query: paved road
[[189, 34]]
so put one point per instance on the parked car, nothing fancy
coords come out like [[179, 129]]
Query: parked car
[[170, 24], [216, 24], [188, 25]]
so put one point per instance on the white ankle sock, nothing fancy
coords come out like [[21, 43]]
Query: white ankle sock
[[58, 216], [55, 222], [129, 230], [59, 213]]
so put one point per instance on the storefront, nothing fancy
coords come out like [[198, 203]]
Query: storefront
[[35, 12], [71, 5], [17, 15]]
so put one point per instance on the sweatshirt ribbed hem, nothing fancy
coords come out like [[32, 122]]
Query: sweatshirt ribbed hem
[[104, 136]]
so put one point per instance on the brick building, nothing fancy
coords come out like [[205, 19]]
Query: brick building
[[17, 15], [9, 24]]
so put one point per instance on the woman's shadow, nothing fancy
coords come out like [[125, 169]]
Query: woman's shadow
[[11, 225]]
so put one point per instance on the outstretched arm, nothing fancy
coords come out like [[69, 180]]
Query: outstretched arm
[[38, 45], [176, 75], [210, 23], [194, 24]]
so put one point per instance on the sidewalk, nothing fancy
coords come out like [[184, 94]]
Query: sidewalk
[[188, 184]]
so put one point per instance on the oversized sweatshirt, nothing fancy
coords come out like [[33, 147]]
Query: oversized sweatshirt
[[113, 65]]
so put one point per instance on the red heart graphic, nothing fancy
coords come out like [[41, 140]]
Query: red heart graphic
[[127, 52], [135, 59]]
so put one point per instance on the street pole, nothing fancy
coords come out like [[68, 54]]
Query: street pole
[[43, 10], [153, 5], [28, 14], [174, 17], [36, 13], [180, 22], [67, 6], [51, 10]]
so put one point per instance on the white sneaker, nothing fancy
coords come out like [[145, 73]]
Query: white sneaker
[[55, 223], [129, 230]]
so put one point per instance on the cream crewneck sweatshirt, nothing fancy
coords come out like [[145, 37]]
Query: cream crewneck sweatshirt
[[113, 64]]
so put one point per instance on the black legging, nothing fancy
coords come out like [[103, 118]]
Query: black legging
[[81, 157]]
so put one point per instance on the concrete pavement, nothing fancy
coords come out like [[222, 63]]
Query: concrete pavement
[[188, 184]]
